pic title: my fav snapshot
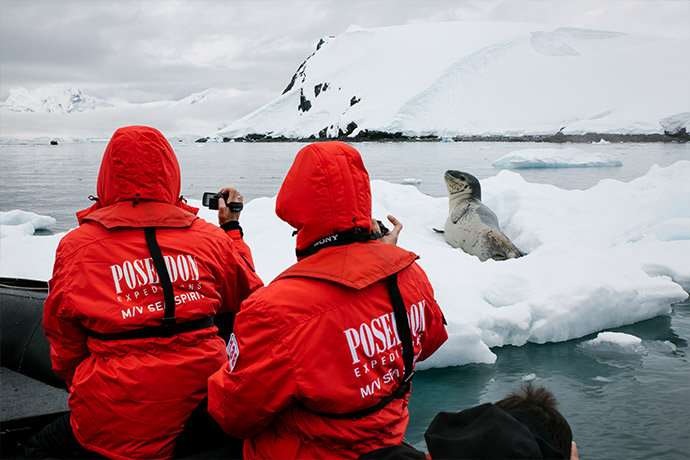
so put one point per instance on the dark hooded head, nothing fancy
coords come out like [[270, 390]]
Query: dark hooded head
[[524, 425]]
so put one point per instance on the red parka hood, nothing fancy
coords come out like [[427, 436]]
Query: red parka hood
[[326, 191], [139, 183]]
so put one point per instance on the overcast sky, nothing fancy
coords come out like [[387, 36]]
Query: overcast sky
[[159, 49]]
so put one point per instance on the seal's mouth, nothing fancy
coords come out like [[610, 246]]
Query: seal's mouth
[[455, 175]]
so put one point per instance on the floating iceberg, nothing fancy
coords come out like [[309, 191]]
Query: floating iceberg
[[568, 157], [18, 222]]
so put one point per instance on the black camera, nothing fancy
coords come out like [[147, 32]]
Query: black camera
[[210, 200], [383, 230]]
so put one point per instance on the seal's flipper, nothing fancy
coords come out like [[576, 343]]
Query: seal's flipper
[[437, 230]]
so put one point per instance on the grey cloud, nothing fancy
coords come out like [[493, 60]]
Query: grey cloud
[[154, 48]]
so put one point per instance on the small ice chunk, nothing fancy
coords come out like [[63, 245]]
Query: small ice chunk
[[529, 378], [619, 338]]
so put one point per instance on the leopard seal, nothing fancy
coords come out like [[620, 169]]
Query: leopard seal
[[471, 225]]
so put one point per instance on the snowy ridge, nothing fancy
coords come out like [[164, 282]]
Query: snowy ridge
[[52, 98], [68, 113], [481, 79], [68, 99]]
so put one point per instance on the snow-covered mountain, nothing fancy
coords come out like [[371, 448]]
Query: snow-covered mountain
[[454, 79], [52, 98], [67, 99], [68, 113], [480, 79]]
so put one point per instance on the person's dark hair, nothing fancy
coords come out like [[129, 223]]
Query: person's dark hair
[[541, 404]]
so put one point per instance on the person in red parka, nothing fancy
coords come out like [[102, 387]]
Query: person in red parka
[[321, 358], [129, 314]]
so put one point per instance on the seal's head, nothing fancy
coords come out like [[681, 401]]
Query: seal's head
[[462, 183]]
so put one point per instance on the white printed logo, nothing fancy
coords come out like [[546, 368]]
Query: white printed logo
[[141, 272], [233, 351], [381, 334]]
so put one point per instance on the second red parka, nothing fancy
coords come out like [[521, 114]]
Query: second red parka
[[323, 334]]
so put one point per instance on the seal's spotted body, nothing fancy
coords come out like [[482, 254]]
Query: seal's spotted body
[[471, 225]]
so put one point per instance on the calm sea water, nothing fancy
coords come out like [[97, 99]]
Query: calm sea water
[[57, 180], [620, 406]]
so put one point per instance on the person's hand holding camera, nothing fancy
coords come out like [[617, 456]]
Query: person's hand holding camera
[[387, 236], [224, 213]]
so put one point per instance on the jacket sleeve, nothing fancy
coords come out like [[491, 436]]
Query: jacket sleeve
[[238, 278], [234, 231], [244, 396], [435, 334], [65, 332]]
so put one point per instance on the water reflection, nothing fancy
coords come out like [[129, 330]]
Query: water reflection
[[633, 403]]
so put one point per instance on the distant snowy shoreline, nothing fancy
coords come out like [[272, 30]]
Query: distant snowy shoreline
[[588, 138], [681, 136]]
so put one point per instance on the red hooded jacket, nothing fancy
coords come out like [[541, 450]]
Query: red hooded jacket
[[323, 334], [130, 398]]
